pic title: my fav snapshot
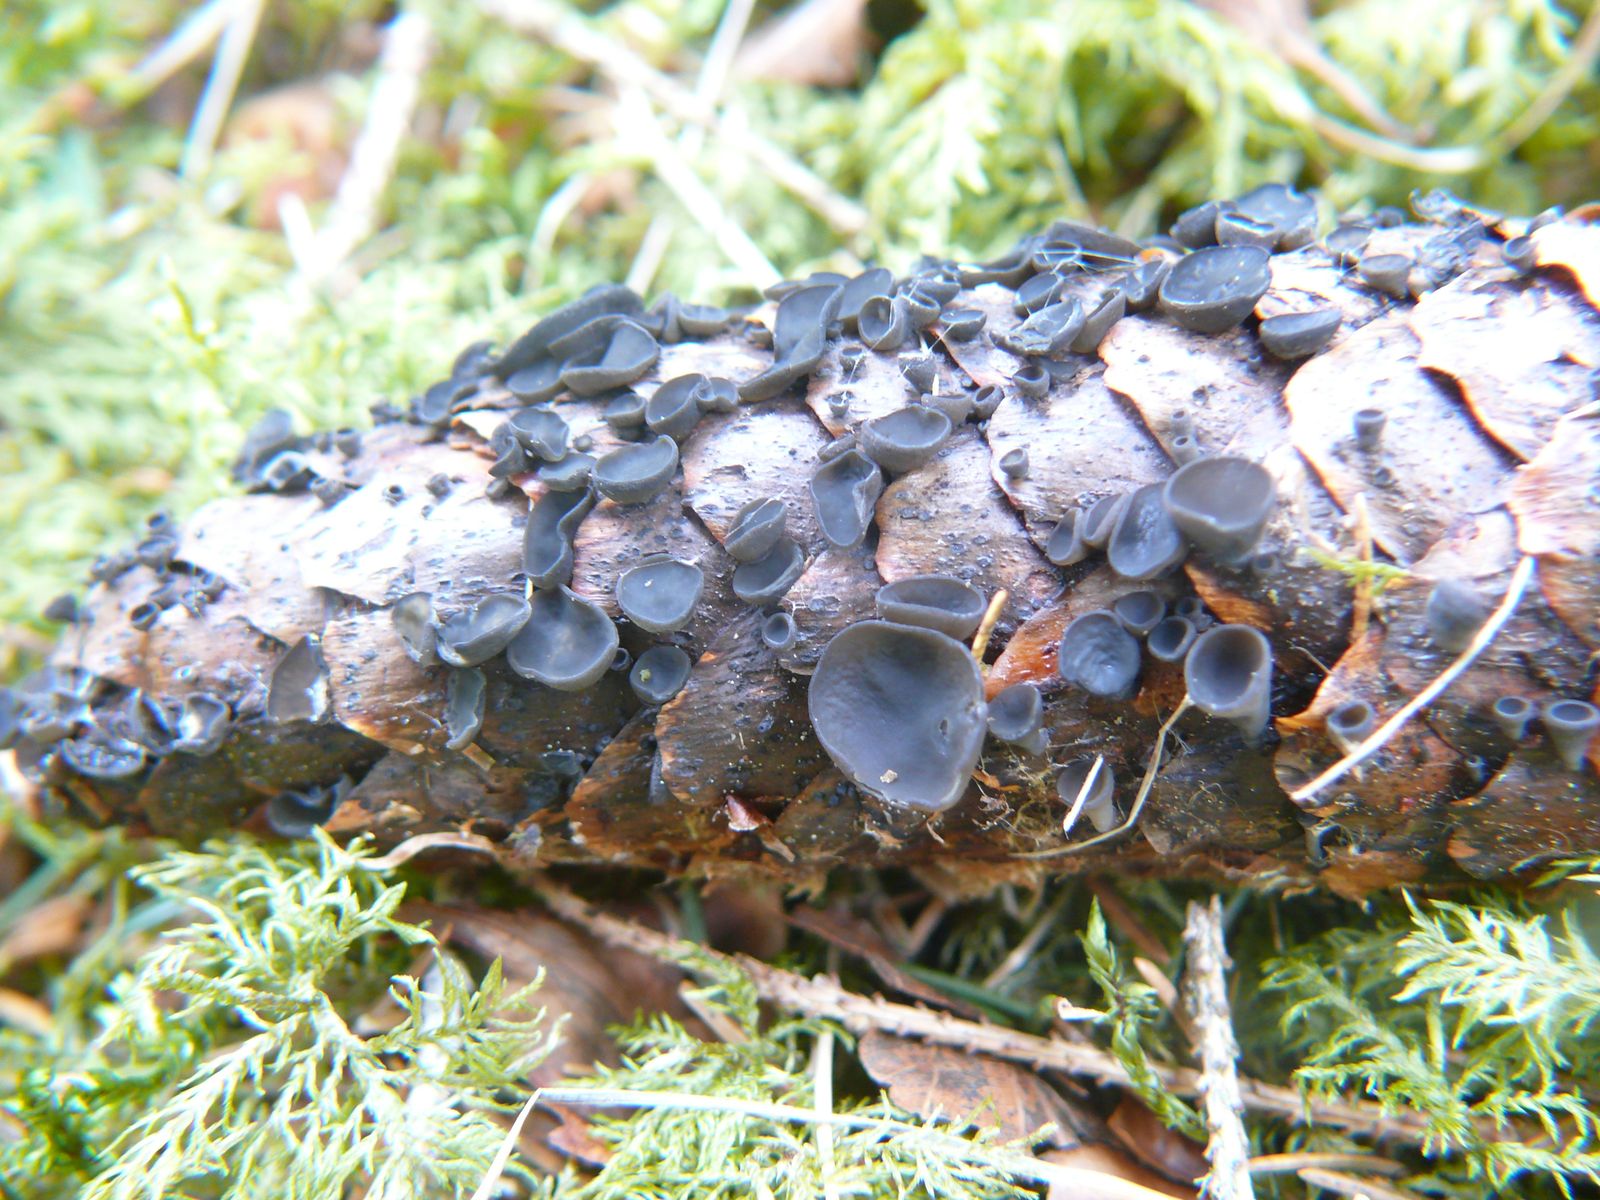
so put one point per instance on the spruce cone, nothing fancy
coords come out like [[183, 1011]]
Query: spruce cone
[[617, 593]]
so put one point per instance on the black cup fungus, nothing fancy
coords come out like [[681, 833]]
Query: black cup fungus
[[1228, 673], [940, 602], [477, 634], [659, 674], [660, 593], [568, 643], [1098, 655], [1221, 504]]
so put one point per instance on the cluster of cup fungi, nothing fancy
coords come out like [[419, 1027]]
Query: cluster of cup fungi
[[898, 702]]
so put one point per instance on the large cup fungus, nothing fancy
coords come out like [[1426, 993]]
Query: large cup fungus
[[567, 644], [660, 593], [479, 633], [1098, 655], [1228, 674], [1221, 504], [940, 602]]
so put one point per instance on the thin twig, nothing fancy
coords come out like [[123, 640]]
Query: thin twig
[[221, 85], [1023, 950], [192, 38], [991, 615], [1228, 1149], [823, 997], [574, 36], [491, 1178], [822, 1097], [1361, 605], [1283, 1164], [1082, 798], [1353, 1185], [354, 213], [1149, 781], [1380, 737], [1088, 1185]]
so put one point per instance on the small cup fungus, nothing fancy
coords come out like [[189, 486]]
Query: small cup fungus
[[547, 538], [659, 674], [1221, 504], [845, 491], [636, 474], [1032, 380], [1099, 805], [963, 324], [463, 707], [884, 322], [660, 593], [1213, 289], [904, 439], [1146, 542], [1065, 546], [540, 432], [298, 690], [778, 631], [1295, 335], [1348, 724], [1512, 714], [1014, 464], [1098, 655], [1455, 612], [1016, 713], [1100, 520], [203, 721], [900, 711], [1228, 673], [940, 602], [673, 409], [769, 578], [1139, 611], [1171, 638], [568, 643], [756, 529], [1571, 725], [479, 633]]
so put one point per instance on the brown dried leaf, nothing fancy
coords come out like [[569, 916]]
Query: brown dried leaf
[[1104, 1160], [941, 1082], [1574, 246], [1556, 502], [854, 936], [1176, 1158], [817, 42]]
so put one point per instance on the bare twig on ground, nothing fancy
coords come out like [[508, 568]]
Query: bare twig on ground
[[823, 997], [1228, 1149], [232, 51], [1353, 1185]]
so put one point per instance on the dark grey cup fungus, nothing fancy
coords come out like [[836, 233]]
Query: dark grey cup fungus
[[920, 371], [900, 712], [537, 383], [839, 404], [659, 674], [1048, 331], [270, 436], [1141, 286], [607, 299], [1014, 464], [1221, 504], [875, 281], [1139, 611], [1291, 215], [884, 323], [659, 594], [1098, 655], [832, 450], [1032, 380], [1016, 712], [1519, 254], [414, 621], [1185, 449], [540, 432], [479, 633], [567, 644], [1571, 725], [803, 317], [1146, 542], [1345, 243], [717, 395], [636, 474], [1100, 804], [514, 461], [144, 616], [1100, 520], [625, 411], [904, 439], [1106, 313], [756, 529], [287, 472], [202, 723], [963, 324], [1455, 612], [778, 631], [621, 660], [674, 408], [1228, 674], [1196, 228], [1389, 273], [464, 707], [1512, 714], [985, 400], [1241, 229], [1348, 724], [922, 308], [1038, 293], [547, 539], [294, 814], [143, 719], [845, 492], [99, 755], [629, 353], [298, 689], [1368, 424], [571, 474], [1171, 638], [1214, 289], [1290, 336], [939, 602], [957, 406], [1065, 546], [769, 578]]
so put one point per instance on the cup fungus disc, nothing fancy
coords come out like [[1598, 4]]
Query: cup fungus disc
[[638, 473], [482, 631], [659, 594], [903, 440], [1221, 504], [1146, 542], [845, 491], [1065, 545], [414, 622], [203, 721], [1228, 674], [1171, 638], [900, 711], [674, 409], [769, 578], [1215, 288], [463, 707], [298, 690], [1139, 611], [540, 432], [1571, 725], [756, 529], [547, 540], [778, 631], [1016, 712], [568, 643], [1098, 655], [940, 602], [1299, 334], [1099, 805], [659, 674]]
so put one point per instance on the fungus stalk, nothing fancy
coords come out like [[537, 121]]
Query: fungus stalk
[[1136, 807], [1480, 642]]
